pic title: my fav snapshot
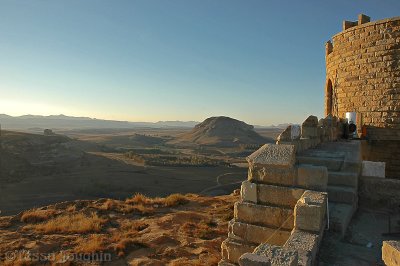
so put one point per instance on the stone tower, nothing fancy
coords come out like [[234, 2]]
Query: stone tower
[[363, 76]]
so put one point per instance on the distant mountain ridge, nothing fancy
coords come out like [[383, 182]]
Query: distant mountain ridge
[[26, 122]]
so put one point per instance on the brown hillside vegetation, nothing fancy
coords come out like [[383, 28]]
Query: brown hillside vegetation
[[222, 131], [176, 230]]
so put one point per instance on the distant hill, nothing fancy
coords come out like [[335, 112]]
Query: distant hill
[[38, 122], [221, 131]]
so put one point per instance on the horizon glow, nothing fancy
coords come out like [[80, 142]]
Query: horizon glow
[[262, 62]]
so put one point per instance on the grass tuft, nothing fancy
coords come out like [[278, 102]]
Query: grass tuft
[[70, 223], [37, 215], [91, 244]]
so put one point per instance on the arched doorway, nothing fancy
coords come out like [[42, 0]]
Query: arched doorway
[[328, 98]]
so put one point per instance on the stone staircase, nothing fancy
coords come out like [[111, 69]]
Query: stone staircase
[[266, 212], [281, 216], [342, 159]]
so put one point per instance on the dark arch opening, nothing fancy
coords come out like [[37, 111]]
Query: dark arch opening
[[328, 98]]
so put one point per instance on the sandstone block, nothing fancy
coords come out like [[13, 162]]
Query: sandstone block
[[274, 156], [312, 177], [257, 234], [279, 195], [310, 211], [373, 169], [311, 121], [305, 143], [233, 249], [391, 253], [272, 175], [306, 243], [263, 215], [309, 132], [250, 259], [278, 255], [248, 192], [286, 134]]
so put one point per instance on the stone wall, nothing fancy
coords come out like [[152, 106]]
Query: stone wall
[[379, 192], [363, 67], [363, 76]]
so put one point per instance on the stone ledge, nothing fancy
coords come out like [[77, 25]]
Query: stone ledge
[[257, 234], [270, 194], [273, 155], [272, 175], [267, 216]]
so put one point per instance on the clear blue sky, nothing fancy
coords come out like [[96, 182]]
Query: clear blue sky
[[258, 61]]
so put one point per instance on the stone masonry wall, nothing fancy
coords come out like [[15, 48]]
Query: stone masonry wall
[[363, 76], [363, 69]]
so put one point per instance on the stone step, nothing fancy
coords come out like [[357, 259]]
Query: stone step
[[257, 234], [267, 216], [333, 164], [349, 179], [340, 215], [351, 166], [342, 194], [232, 249], [271, 195]]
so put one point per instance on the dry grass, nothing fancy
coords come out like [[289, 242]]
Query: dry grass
[[37, 215], [139, 198], [203, 230], [170, 201], [175, 199], [70, 223], [124, 207], [125, 238], [109, 205], [71, 208], [91, 244]]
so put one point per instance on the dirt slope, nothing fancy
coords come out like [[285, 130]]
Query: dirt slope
[[177, 230]]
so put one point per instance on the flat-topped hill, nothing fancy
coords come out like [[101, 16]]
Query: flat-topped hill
[[221, 131]]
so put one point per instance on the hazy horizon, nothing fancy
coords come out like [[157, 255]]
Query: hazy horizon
[[130, 121], [259, 62]]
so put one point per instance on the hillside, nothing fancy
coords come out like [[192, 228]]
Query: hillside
[[223, 132], [176, 230]]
